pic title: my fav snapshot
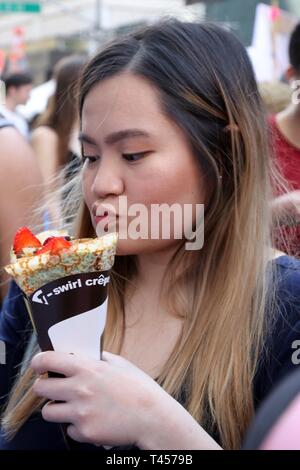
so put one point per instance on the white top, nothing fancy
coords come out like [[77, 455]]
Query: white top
[[17, 120]]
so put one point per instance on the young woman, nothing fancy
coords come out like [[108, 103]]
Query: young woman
[[195, 339], [54, 139]]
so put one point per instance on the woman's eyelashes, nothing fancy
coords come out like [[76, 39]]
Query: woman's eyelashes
[[129, 157], [134, 157], [89, 158]]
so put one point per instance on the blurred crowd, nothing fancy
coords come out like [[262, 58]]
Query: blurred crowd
[[49, 143], [37, 157], [44, 154]]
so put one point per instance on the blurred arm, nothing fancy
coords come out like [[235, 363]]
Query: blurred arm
[[20, 191]]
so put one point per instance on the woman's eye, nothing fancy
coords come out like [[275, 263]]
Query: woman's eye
[[134, 157], [89, 158]]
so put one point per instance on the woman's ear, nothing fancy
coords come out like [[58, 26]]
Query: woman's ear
[[290, 74]]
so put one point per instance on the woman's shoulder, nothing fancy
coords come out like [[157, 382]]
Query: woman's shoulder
[[287, 276], [44, 133], [16, 153], [14, 318], [286, 309], [283, 328], [287, 262], [286, 315]]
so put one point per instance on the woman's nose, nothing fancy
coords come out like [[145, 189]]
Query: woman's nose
[[108, 179]]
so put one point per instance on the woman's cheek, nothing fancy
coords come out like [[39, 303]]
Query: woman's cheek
[[153, 186], [86, 185]]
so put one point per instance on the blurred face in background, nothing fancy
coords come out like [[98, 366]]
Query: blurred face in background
[[21, 94]]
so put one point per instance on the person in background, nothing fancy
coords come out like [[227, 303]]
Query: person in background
[[285, 143], [276, 96], [55, 138], [20, 183], [18, 87]]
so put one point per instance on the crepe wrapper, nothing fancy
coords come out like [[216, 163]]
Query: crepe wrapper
[[66, 297]]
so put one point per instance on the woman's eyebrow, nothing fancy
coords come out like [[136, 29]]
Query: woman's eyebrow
[[115, 136], [85, 138], [125, 134]]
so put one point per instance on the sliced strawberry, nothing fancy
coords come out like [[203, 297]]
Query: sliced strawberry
[[60, 243], [46, 248], [50, 238], [47, 240], [24, 238], [54, 245]]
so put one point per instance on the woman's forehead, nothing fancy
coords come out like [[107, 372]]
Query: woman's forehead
[[124, 102], [123, 94]]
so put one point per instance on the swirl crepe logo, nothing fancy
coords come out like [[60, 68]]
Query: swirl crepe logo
[[42, 298]]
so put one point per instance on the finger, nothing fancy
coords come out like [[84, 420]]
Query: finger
[[53, 361], [113, 358], [118, 361], [74, 434], [53, 389], [57, 412]]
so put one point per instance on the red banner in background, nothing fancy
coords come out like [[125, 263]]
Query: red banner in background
[[17, 56], [275, 13]]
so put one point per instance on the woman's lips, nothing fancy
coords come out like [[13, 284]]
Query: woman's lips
[[105, 218], [101, 218]]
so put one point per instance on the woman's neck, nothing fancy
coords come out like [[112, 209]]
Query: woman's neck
[[151, 331], [10, 104], [147, 299], [152, 268]]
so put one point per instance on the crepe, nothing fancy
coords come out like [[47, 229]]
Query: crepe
[[31, 271]]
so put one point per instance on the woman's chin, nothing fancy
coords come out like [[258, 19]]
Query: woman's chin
[[141, 246], [127, 247]]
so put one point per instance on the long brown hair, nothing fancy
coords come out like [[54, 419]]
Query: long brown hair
[[223, 291], [62, 112]]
